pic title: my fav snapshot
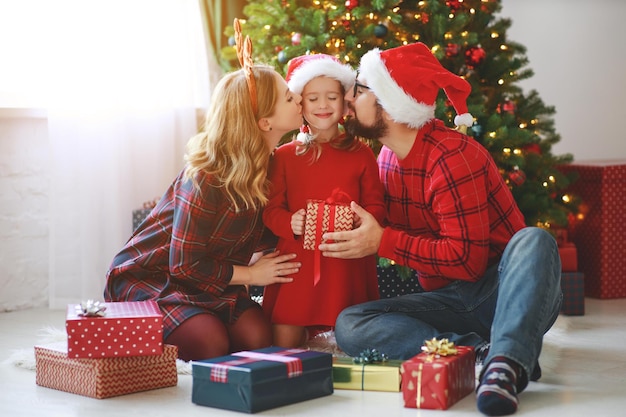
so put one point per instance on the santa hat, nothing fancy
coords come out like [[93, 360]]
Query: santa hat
[[406, 81], [304, 68]]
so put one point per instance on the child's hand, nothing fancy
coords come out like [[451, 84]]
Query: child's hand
[[297, 222]]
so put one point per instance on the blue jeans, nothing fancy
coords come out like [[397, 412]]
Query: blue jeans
[[512, 306]]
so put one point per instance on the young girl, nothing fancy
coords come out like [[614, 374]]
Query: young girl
[[323, 163], [192, 253]]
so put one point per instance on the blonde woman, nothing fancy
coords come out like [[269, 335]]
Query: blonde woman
[[192, 254]]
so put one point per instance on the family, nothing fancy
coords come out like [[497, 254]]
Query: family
[[433, 200]]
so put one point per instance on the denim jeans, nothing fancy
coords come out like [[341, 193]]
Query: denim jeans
[[512, 306]]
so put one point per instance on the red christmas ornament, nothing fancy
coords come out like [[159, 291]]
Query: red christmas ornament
[[532, 148], [454, 5], [508, 106], [425, 17], [351, 4], [474, 56], [452, 50], [346, 24], [517, 176], [296, 38]]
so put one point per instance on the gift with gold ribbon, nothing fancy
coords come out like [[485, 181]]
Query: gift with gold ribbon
[[439, 376], [370, 371]]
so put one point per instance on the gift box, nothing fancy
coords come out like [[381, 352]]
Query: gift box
[[569, 257], [252, 381], [104, 377], [573, 287], [133, 328], [391, 284], [600, 237], [139, 216], [322, 217], [380, 376], [436, 382]]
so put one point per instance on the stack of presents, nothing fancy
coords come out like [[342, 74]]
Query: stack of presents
[[600, 237], [111, 349]]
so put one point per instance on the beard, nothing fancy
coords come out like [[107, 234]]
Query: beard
[[355, 128]]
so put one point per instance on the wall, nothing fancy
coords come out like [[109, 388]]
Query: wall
[[576, 51], [23, 209]]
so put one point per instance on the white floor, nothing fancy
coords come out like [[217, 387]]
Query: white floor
[[584, 362]]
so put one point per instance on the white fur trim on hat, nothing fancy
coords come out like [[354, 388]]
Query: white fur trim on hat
[[321, 67], [400, 106]]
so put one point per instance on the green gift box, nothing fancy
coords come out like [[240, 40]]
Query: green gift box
[[379, 376]]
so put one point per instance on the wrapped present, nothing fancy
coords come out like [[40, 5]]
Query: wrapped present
[[439, 376], [369, 372], [104, 377], [573, 287], [252, 381], [140, 215], [569, 257], [391, 284], [323, 216], [103, 330], [600, 237]]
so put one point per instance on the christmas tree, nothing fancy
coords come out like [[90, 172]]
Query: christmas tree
[[470, 40]]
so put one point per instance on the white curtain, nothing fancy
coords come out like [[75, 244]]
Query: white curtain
[[121, 80]]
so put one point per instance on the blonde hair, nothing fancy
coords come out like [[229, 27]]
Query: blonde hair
[[231, 148]]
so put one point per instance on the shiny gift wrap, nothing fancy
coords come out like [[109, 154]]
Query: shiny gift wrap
[[104, 377], [379, 376], [106, 330], [262, 379], [439, 377]]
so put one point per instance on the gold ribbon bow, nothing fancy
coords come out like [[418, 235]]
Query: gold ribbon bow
[[437, 347]]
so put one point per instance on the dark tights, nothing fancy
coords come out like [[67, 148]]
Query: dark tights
[[205, 336]]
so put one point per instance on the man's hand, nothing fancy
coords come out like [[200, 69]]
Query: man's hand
[[357, 243]]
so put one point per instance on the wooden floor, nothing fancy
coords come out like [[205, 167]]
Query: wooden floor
[[584, 363]]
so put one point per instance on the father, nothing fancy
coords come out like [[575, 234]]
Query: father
[[490, 281]]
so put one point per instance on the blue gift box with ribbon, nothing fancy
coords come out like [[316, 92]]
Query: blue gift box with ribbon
[[257, 380]]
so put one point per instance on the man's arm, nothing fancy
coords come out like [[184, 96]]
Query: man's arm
[[357, 243]]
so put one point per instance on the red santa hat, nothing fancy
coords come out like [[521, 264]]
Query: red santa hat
[[406, 81], [303, 69]]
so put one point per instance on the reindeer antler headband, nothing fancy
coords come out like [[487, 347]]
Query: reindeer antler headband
[[244, 53]]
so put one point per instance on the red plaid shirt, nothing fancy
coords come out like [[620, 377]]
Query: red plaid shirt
[[183, 254], [450, 213]]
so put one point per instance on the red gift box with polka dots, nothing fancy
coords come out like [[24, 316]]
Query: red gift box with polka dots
[[132, 328], [600, 237]]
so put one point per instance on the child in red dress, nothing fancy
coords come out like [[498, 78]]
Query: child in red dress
[[322, 164]]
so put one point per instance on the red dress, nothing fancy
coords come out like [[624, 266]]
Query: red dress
[[343, 282]]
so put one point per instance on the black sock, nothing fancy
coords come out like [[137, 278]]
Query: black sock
[[497, 392]]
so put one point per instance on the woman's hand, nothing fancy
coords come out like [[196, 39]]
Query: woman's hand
[[297, 222], [271, 268]]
